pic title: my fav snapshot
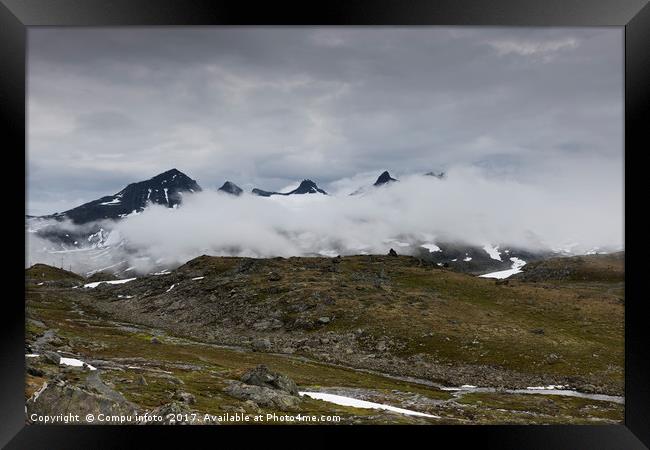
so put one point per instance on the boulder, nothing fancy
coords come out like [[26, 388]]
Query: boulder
[[171, 413], [264, 377], [62, 398], [261, 345], [263, 396], [186, 398], [52, 357], [274, 276]]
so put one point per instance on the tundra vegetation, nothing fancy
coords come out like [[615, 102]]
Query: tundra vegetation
[[241, 336]]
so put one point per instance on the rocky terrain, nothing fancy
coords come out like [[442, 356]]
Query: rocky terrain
[[602, 268], [447, 347]]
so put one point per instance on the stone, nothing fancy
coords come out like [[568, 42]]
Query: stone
[[263, 396], [52, 357], [264, 377], [261, 345], [171, 412], [186, 398], [61, 398], [34, 371]]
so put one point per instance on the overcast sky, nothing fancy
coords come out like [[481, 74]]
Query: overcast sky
[[268, 106]]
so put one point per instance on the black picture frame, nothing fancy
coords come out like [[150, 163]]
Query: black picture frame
[[17, 15]]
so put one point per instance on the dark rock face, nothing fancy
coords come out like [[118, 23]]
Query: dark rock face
[[264, 377], [305, 187], [439, 175], [392, 252], [384, 178], [231, 188], [166, 189]]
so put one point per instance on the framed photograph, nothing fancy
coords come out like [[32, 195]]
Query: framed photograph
[[360, 217]]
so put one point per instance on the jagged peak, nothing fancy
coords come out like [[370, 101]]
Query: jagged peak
[[169, 173], [231, 188], [384, 178], [307, 186]]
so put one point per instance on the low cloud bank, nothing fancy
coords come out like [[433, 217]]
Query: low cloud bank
[[466, 207]]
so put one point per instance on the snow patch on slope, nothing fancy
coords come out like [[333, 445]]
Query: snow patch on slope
[[493, 251], [517, 264]]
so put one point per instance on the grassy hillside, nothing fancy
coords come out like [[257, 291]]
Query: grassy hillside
[[391, 313], [347, 325], [591, 268], [43, 272]]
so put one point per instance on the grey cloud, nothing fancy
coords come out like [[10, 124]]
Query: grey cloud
[[266, 106]]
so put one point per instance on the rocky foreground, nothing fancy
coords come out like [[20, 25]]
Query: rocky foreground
[[393, 330]]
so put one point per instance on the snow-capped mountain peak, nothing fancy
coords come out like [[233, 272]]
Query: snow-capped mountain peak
[[165, 189]]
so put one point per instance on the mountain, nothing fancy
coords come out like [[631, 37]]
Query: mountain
[[231, 188], [166, 188], [384, 178], [439, 175], [473, 259], [305, 187]]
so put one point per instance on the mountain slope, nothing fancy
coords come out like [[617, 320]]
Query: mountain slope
[[605, 268], [305, 187], [467, 343], [384, 178], [231, 188], [166, 189], [423, 320]]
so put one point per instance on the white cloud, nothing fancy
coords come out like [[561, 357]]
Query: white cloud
[[536, 48], [468, 206]]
